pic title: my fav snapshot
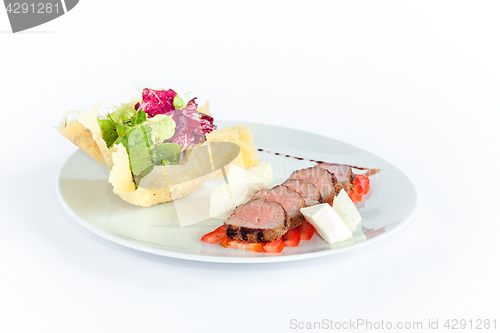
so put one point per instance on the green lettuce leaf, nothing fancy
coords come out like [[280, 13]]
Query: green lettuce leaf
[[124, 113], [142, 139], [139, 150], [178, 102], [125, 127], [139, 118], [144, 154], [162, 127], [113, 126], [108, 131], [168, 153]]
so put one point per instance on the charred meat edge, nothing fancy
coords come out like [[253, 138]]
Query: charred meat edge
[[257, 235], [347, 185]]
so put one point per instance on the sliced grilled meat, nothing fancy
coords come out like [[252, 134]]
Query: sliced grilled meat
[[257, 221], [324, 180], [308, 191], [343, 173], [291, 201]]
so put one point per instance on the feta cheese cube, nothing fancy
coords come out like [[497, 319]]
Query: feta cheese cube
[[346, 209], [259, 174], [327, 223], [241, 186]]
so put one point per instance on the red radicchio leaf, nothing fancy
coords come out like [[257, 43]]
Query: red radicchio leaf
[[157, 101], [191, 103], [191, 126]]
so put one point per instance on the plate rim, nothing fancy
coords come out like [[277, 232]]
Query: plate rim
[[237, 259]]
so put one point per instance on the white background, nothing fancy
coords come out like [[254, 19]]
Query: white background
[[416, 83]]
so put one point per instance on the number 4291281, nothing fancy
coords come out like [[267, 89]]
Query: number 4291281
[[39, 8], [478, 324]]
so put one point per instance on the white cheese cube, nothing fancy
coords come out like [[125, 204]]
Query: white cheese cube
[[261, 173], [241, 187], [327, 223], [244, 183], [346, 209]]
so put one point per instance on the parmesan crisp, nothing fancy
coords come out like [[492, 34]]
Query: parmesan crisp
[[230, 145], [243, 137]]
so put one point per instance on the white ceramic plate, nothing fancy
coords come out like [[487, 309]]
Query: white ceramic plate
[[85, 192]]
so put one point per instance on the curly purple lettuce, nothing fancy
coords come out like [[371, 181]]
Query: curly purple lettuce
[[191, 125]]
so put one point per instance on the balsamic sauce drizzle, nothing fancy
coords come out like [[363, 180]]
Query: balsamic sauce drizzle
[[368, 173]]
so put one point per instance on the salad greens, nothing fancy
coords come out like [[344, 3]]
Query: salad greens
[[108, 131], [142, 138], [155, 131], [162, 127], [124, 112], [144, 154], [113, 126]]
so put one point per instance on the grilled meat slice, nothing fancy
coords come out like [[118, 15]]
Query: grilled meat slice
[[257, 221], [324, 180], [308, 191], [343, 173], [291, 201]]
